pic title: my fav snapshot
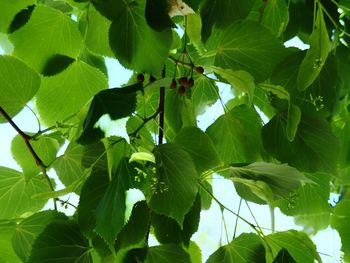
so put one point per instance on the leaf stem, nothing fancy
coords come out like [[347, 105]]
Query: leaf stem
[[26, 138], [145, 121], [236, 223], [228, 209]]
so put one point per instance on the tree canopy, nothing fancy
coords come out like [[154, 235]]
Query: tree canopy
[[283, 139]]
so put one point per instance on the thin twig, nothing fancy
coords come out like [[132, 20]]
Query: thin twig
[[161, 111], [26, 138], [145, 121]]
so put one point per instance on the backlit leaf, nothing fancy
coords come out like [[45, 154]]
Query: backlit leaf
[[14, 95], [16, 193]]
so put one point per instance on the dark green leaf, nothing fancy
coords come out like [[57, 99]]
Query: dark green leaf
[[156, 14], [230, 11], [116, 102], [236, 135], [284, 257], [68, 244], [245, 248], [199, 145], [133, 234], [166, 254], [314, 148], [247, 46], [21, 18], [28, 230], [340, 222], [110, 212], [56, 64], [298, 245], [90, 196], [134, 43], [175, 185]]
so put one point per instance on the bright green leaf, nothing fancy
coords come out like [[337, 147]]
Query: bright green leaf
[[175, 187], [205, 93], [7, 254], [294, 117], [142, 156], [8, 11], [61, 37], [64, 94], [68, 244], [46, 147], [28, 230], [236, 135], [316, 55], [16, 193], [238, 79], [14, 95], [245, 248]]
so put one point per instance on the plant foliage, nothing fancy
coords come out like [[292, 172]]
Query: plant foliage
[[282, 140]]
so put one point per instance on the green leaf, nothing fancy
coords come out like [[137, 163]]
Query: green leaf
[[46, 147], [199, 145], [294, 117], [16, 192], [195, 252], [105, 103], [135, 230], [167, 230], [205, 93], [316, 55], [61, 37], [64, 94], [68, 244], [238, 79], [272, 14], [7, 254], [194, 30], [142, 156], [339, 221], [269, 181], [134, 43], [298, 245], [236, 135], [247, 46], [8, 11], [90, 196], [175, 187], [230, 11], [156, 14], [97, 28], [110, 212], [14, 95], [309, 204], [28, 230], [166, 254], [284, 257], [245, 248], [56, 64], [314, 148]]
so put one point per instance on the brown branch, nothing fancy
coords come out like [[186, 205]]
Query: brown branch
[[161, 111], [26, 138]]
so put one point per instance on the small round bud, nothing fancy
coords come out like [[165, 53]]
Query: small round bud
[[173, 84], [182, 90], [200, 70], [140, 77], [190, 82], [183, 81]]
